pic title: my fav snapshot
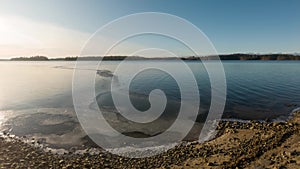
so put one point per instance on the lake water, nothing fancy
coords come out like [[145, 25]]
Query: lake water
[[36, 97]]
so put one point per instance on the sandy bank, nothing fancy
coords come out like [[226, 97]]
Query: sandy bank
[[238, 145]]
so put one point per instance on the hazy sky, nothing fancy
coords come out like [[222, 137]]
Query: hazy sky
[[60, 27]]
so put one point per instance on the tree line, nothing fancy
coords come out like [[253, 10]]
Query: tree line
[[238, 56]]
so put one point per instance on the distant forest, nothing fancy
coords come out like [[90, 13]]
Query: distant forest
[[33, 58], [238, 56], [260, 57]]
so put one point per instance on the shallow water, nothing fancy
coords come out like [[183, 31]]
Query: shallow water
[[36, 97]]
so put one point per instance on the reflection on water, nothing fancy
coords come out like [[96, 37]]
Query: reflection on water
[[33, 85], [36, 97]]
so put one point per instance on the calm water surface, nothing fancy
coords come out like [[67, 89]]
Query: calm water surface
[[36, 97]]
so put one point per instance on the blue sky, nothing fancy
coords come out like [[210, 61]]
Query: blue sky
[[60, 27]]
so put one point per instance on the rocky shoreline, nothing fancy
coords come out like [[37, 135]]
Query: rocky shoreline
[[237, 145]]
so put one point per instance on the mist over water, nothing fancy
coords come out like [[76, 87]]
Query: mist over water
[[36, 97]]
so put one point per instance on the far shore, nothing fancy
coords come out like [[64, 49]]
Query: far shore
[[237, 56], [237, 145]]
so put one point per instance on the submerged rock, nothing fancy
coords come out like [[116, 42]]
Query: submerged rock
[[105, 73]]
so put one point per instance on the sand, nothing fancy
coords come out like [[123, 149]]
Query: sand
[[238, 145]]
